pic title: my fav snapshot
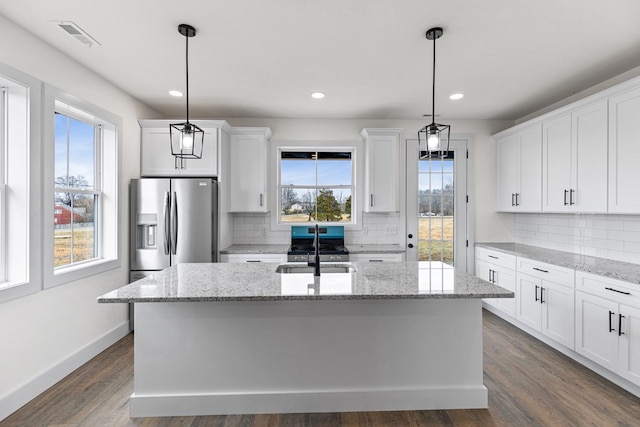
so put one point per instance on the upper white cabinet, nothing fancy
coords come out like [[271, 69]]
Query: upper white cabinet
[[520, 170], [248, 154], [155, 150], [382, 154], [574, 162], [624, 152]]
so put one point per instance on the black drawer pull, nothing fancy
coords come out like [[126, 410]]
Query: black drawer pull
[[620, 317], [539, 269], [375, 260], [493, 256], [620, 292], [537, 293], [253, 260]]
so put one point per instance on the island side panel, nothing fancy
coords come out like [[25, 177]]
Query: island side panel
[[207, 358]]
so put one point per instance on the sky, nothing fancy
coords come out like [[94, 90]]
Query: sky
[[81, 148]]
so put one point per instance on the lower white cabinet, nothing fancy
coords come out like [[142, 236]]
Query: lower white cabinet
[[237, 258], [546, 307], [498, 268], [376, 257], [608, 324]]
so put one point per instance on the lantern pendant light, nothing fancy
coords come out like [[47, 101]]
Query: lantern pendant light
[[187, 139], [433, 139]]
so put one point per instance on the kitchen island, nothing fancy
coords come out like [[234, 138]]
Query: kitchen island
[[241, 338]]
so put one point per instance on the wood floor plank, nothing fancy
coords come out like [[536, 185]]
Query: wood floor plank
[[529, 384]]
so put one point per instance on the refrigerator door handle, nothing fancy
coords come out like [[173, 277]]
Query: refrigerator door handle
[[174, 223], [165, 213]]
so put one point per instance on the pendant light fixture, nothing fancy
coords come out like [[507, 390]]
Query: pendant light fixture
[[186, 138], [433, 139]]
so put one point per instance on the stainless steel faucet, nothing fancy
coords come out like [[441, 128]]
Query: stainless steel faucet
[[316, 246]]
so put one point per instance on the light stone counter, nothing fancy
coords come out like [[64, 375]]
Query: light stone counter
[[376, 249], [624, 271], [260, 282], [256, 249]]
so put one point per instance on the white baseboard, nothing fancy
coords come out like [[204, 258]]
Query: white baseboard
[[15, 399], [329, 401]]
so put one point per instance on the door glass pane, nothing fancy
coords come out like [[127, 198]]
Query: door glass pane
[[436, 209]]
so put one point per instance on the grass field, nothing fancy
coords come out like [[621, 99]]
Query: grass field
[[436, 238], [83, 246]]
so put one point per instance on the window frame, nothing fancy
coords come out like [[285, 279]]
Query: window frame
[[357, 176], [107, 158], [21, 170]]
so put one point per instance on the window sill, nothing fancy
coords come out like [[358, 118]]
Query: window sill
[[80, 271]]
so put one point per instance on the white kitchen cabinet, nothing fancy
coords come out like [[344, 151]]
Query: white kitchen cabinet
[[247, 180], [608, 324], [545, 300], [381, 257], [624, 152], [155, 150], [498, 268], [519, 162], [240, 258], [382, 174], [574, 164]]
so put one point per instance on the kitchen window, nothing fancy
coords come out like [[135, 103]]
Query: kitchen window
[[316, 186], [20, 178], [81, 199]]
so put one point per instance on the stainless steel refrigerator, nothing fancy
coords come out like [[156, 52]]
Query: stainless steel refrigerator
[[173, 220]]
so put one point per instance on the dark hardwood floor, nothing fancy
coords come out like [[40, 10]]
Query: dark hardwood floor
[[529, 384]]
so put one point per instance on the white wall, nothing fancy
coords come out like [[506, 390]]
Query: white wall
[[490, 226], [46, 335]]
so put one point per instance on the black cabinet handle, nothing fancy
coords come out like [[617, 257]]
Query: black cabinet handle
[[492, 256], [513, 196], [620, 317], [537, 293], [610, 325], [517, 197], [565, 197], [620, 292], [571, 191], [541, 270], [253, 260], [542, 301]]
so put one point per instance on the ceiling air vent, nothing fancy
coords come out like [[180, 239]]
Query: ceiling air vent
[[78, 33]]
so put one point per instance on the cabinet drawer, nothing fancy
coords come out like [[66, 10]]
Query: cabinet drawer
[[544, 271], [496, 258], [612, 289]]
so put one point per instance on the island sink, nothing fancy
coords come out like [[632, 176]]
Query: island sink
[[304, 269]]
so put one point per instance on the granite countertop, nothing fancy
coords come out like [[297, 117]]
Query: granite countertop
[[260, 282], [282, 249], [619, 270]]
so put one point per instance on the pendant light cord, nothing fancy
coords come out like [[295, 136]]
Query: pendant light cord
[[187, 73], [433, 86]]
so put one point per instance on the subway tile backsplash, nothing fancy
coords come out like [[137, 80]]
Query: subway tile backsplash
[[254, 228], [615, 237]]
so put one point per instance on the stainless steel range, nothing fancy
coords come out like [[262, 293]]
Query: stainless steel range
[[331, 240]]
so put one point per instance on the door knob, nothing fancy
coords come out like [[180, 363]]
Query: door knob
[[410, 245], [410, 236]]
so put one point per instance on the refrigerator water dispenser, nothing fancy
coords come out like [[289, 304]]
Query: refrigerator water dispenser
[[146, 231]]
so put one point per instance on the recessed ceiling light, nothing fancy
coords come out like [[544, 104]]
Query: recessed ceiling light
[[456, 96], [175, 93], [318, 95]]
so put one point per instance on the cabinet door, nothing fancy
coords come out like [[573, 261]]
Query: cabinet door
[[381, 173], [557, 168], [596, 329], [528, 307], [155, 153], [208, 164], [624, 152], [508, 175], [248, 173], [558, 314], [529, 195], [589, 164], [629, 344], [506, 278]]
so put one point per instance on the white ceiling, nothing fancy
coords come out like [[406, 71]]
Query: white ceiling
[[263, 58]]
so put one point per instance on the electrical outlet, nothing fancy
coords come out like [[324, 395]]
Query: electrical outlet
[[263, 230]]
